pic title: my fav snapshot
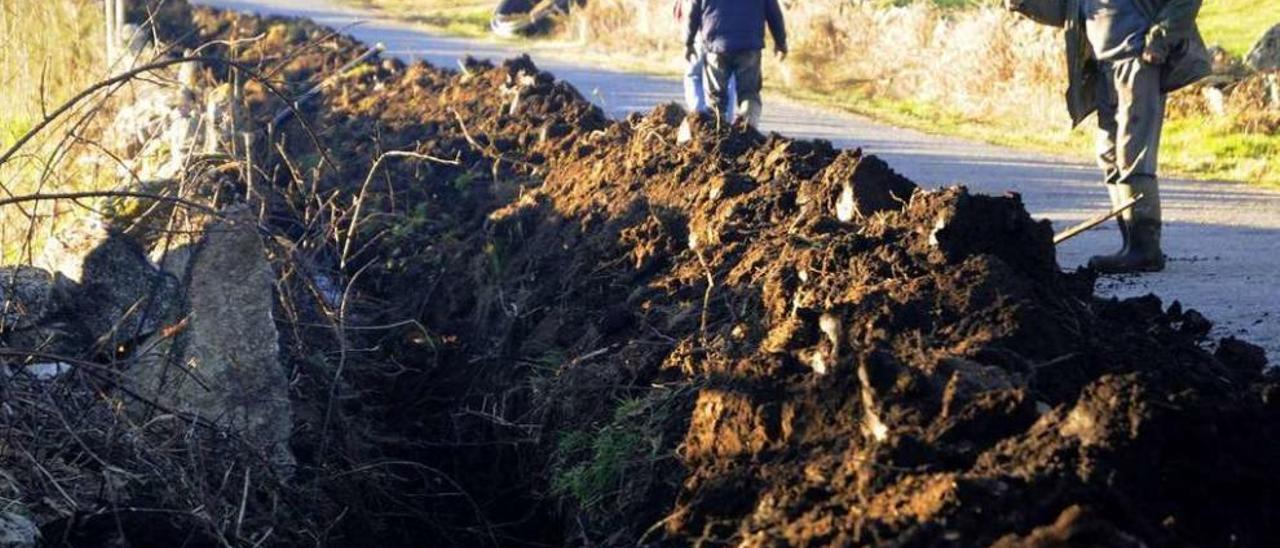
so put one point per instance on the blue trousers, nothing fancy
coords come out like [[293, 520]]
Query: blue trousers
[[696, 96]]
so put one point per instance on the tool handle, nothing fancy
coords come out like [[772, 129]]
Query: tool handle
[[1094, 222]]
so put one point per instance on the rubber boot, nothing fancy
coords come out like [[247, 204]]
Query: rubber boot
[[750, 111], [1113, 190], [1142, 251]]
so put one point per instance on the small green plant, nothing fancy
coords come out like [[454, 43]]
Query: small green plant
[[493, 251], [612, 466], [463, 182], [604, 459], [409, 225]]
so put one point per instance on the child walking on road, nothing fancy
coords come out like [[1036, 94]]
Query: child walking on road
[[731, 33], [695, 91]]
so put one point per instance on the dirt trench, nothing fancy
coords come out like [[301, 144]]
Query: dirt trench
[[576, 330]]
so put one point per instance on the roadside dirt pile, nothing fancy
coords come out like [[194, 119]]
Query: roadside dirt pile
[[506, 319], [856, 360], [757, 340]]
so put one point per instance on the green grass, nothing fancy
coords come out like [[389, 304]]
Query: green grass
[[1237, 24], [606, 458], [1191, 147], [1214, 148], [604, 467]]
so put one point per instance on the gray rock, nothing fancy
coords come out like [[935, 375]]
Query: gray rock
[[155, 131], [64, 252], [224, 117], [31, 302], [173, 253], [28, 295], [16, 531], [225, 367], [176, 261], [121, 296], [967, 380], [1265, 55], [1223, 61], [62, 337]]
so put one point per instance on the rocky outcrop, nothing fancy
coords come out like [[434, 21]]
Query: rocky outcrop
[[162, 140], [225, 366], [120, 295], [31, 302], [1265, 54], [28, 295]]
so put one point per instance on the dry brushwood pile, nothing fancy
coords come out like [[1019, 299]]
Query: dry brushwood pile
[[505, 319]]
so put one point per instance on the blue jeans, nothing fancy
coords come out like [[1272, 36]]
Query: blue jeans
[[695, 89]]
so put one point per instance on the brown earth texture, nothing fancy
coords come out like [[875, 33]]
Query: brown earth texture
[[561, 329]]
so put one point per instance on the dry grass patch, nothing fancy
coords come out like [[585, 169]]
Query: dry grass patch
[[49, 51]]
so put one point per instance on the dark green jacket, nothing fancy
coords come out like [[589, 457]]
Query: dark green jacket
[[1174, 36]]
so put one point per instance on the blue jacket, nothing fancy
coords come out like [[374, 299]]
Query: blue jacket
[[730, 26]]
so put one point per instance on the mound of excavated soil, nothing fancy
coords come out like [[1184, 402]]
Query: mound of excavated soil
[[572, 330], [919, 373], [757, 340]]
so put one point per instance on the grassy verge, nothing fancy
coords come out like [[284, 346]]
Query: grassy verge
[[1194, 148], [1025, 112], [1238, 24]]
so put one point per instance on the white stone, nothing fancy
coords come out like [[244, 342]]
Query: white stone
[[45, 371], [17, 531], [846, 207], [1215, 100], [831, 327], [685, 134]]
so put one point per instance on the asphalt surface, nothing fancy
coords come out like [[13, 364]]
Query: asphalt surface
[[1223, 239]]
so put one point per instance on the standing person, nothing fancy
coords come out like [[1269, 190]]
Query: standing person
[[1123, 57], [695, 93], [732, 33]]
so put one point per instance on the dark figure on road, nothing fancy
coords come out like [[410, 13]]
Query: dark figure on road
[[732, 31], [1123, 57]]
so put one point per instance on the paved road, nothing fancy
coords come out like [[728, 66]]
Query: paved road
[[1223, 239]]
